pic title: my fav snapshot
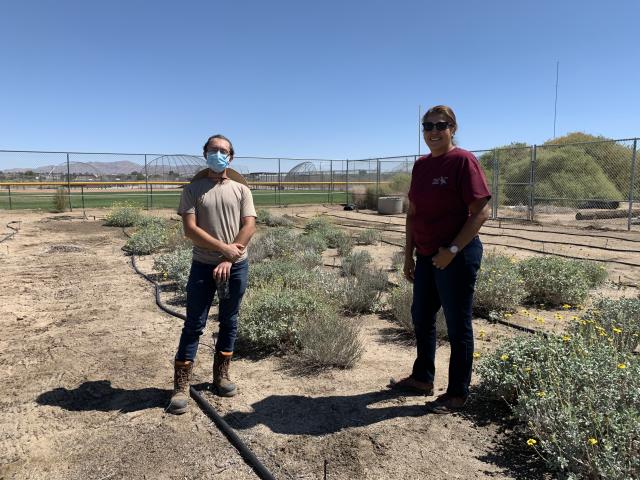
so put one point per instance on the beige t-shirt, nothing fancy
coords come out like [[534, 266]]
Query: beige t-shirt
[[219, 208]]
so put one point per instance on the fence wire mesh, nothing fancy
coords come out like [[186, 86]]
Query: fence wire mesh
[[589, 183]]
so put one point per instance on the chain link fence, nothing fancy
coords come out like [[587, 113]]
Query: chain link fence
[[579, 184]]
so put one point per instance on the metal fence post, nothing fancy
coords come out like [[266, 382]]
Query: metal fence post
[[532, 182], [69, 183], [82, 196], [151, 196], [347, 181], [146, 182], [633, 180], [377, 179], [10, 206], [496, 186], [331, 182], [279, 201]]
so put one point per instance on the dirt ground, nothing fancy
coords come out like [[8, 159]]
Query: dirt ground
[[86, 357]]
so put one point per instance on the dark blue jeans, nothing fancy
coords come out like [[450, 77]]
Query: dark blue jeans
[[451, 288], [201, 288]]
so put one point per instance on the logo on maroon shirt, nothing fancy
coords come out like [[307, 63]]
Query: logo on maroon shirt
[[439, 181]]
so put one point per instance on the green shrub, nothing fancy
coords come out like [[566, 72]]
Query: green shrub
[[368, 236], [329, 341], [271, 317], [309, 258], [554, 280], [362, 292], [312, 241], [318, 223], [397, 261], [578, 399], [123, 214], [343, 243], [499, 287], [266, 218], [595, 273], [616, 321], [175, 266], [400, 300], [59, 201], [356, 263], [283, 272], [274, 243], [151, 235]]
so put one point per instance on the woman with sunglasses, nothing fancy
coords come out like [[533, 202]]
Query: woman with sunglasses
[[448, 203]]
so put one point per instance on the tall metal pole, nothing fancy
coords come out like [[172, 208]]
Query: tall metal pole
[[146, 181], [347, 180], [633, 180], [532, 182], [69, 183], [10, 206], [555, 105], [331, 181], [279, 184], [496, 185]]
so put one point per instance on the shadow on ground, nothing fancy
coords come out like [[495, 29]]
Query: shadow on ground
[[101, 396], [302, 415]]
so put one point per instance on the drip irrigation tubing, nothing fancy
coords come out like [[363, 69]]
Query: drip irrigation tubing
[[247, 455], [592, 232], [11, 227]]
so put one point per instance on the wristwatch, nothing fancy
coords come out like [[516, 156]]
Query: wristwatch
[[454, 249]]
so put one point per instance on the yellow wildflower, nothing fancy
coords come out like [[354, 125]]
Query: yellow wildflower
[[504, 357], [575, 318], [482, 334], [527, 369], [476, 354], [593, 441], [617, 330], [541, 394], [507, 315], [622, 365], [566, 306], [566, 338], [531, 442]]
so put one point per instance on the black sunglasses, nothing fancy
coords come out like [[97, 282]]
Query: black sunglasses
[[440, 126]]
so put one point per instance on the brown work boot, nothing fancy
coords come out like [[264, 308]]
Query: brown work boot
[[222, 384], [411, 385], [179, 403]]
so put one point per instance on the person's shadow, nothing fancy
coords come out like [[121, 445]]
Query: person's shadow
[[301, 415], [101, 396]]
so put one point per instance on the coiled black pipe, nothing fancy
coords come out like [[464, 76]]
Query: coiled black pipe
[[11, 227]]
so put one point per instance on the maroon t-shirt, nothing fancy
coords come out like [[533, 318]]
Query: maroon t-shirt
[[441, 190]]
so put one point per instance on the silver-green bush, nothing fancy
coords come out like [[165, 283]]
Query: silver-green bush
[[499, 287], [368, 236], [329, 341], [578, 399], [362, 292], [554, 281], [276, 242], [151, 235], [267, 218], [123, 214], [356, 263], [175, 266]]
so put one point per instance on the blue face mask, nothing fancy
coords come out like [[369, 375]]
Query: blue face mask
[[217, 161]]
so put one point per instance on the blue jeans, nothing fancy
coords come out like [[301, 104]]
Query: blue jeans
[[201, 288], [451, 288]]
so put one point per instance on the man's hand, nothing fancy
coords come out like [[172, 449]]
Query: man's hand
[[222, 271], [233, 251], [443, 258], [409, 269]]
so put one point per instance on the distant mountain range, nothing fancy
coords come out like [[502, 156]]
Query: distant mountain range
[[177, 164]]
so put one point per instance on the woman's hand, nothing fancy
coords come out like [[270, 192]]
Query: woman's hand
[[222, 271], [409, 269], [443, 258]]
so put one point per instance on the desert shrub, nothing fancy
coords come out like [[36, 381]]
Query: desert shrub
[[318, 223], [499, 287], [554, 281], [175, 266], [312, 241], [400, 300], [329, 341], [266, 218], [362, 292], [397, 261], [577, 398], [309, 258], [285, 273], [356, 263], [271, 318], [343, 243], [123, 214], [595, 273], [368, 236], [59, 200], [616, 321], [151, 235], [274, 243]]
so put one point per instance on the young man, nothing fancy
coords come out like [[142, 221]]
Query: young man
[[218, 216]]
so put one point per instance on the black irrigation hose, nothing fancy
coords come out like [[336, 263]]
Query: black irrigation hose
[[11, 227], [247, 455]]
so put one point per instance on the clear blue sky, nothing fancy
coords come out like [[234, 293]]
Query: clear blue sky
[[328, 79]]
